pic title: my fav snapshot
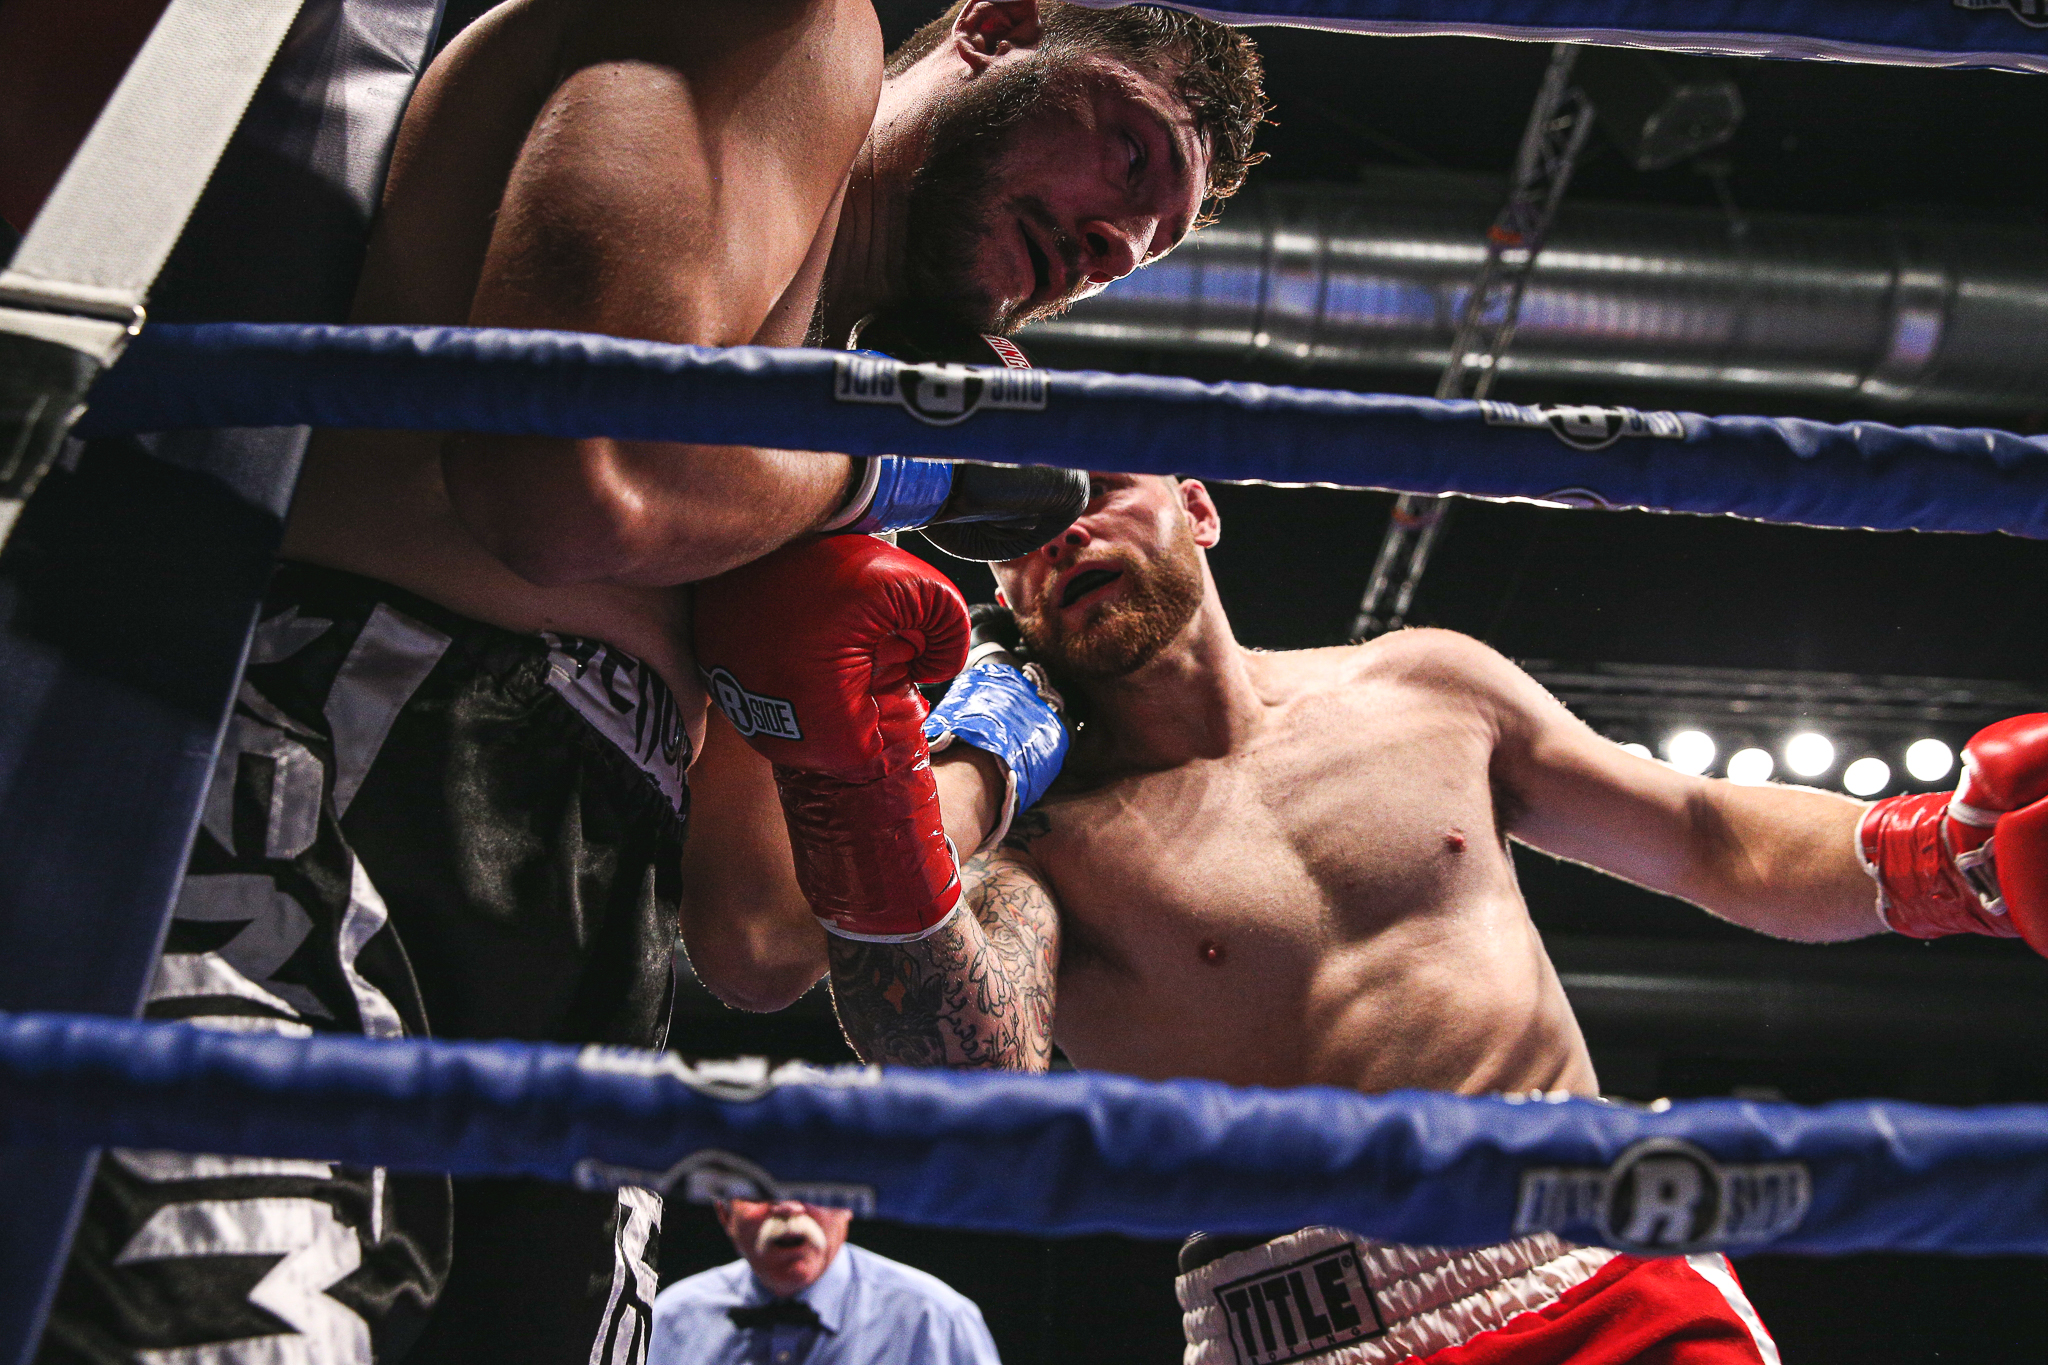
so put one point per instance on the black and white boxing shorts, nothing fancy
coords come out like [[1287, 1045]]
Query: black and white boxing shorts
[[419, 825]]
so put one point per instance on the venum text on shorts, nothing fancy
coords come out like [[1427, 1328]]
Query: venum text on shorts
[[1300, 1309]]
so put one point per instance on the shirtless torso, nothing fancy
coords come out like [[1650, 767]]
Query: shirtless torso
[[1306, 899], [1292, 869]]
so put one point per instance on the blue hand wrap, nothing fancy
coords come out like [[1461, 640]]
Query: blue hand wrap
[[896, 493], [994, 707]]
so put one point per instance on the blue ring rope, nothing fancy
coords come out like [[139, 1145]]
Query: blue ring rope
[[2009, 35], [1065, 1154], [1857, 474]]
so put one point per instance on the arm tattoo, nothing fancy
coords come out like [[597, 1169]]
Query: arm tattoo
[[1032, 825], [979, 993]]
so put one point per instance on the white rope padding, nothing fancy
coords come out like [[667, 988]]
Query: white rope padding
[[107, 228]]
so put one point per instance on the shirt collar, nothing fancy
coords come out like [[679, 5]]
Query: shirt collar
[[747, 1289], [829, 1293]]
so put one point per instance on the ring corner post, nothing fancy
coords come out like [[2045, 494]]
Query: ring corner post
[[42, 1191]]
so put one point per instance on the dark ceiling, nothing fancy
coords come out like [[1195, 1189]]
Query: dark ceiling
[[1632, 586], [1817, 137]]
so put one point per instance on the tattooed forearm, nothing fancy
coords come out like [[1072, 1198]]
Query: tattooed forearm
[[978, 993]]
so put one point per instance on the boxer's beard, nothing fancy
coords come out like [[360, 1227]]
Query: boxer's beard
[[1160, 597], [774, 1228], [957, 201]]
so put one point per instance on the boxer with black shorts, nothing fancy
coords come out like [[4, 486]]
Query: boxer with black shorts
[[1290, 869], [521, 799], [452, 797]]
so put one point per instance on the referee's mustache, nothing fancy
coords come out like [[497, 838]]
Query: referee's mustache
[[776, 1230]]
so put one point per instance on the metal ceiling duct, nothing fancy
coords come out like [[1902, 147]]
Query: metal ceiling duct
[[1898, 311]]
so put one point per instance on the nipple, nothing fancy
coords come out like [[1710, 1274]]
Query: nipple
[[1212, 952], [1454, 840]]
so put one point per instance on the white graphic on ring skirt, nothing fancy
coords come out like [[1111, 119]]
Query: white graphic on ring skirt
[[628, 1322], [319, 1251]]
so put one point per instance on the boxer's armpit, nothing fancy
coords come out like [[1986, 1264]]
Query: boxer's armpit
[[979, 993]]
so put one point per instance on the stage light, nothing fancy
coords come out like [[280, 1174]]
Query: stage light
[[1809, 754], [1929, 760], [1750, 767], [1639, 750], [1690, 751], [1866, 777]]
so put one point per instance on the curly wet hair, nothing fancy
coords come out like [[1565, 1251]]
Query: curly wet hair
[[1214, 68]]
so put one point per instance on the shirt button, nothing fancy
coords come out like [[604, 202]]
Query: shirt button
[[780, 1357]]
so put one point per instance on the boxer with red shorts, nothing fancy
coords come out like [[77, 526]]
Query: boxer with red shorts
[[1328, 1295], [1293, 869]]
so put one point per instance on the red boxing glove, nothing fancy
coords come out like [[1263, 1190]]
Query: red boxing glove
[[814, 653], [1977, 862]]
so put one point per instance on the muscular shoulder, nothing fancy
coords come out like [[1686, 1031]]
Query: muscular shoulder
[[1445, 667], [733, 48], [748, 55], [1428, 657], [581, 122], [1442, 661], [1465, 673]]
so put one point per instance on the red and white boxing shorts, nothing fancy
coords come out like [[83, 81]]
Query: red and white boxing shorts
[[1327, 1295]]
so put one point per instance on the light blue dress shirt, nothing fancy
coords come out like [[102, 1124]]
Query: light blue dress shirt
[[871, 1311]]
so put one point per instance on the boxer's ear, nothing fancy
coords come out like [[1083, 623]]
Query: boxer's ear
[[984, 30], [1203, 519]]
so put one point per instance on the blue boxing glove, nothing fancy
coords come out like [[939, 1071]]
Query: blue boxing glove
[[1006, 708]]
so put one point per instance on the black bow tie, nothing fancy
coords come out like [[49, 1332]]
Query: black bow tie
[[782, 1312]]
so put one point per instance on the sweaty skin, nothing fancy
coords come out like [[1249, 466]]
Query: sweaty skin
[[585, 166], [1293, 869], [1328, 901], [718, 173]]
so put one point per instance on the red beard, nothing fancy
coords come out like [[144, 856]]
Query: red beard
[[1120, 637]]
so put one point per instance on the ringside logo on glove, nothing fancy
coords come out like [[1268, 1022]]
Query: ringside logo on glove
[[750, 712]]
